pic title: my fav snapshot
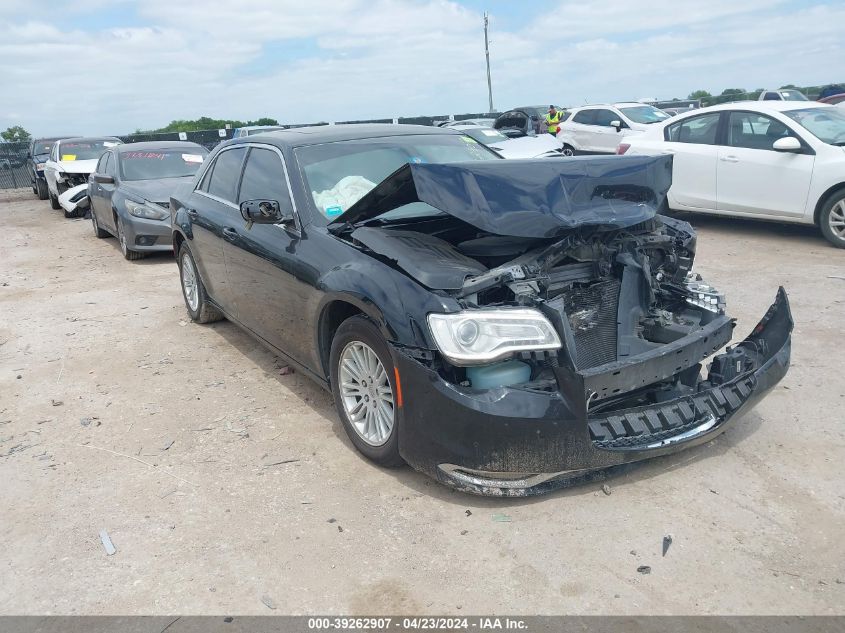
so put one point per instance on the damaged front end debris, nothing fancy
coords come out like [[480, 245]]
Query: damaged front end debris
[[579, 336]]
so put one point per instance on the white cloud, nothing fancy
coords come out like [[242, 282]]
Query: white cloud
[[378, 58]]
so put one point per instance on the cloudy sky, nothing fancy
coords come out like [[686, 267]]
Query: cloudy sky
[[111, 66]]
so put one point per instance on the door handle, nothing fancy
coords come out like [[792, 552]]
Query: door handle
[[192, 213], [729, 159], [230, 234]]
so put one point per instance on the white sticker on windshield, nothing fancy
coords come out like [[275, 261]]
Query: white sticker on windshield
[[192, 158], [489, 132], [110, 144]]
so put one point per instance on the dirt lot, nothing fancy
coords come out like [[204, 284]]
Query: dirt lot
[[117, 413]]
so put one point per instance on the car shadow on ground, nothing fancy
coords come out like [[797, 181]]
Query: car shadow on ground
[[760, 229], [320, 402]]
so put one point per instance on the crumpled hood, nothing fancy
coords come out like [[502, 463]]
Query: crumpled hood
[[527, 146], [78, 166], [527, 198], [158, 190]]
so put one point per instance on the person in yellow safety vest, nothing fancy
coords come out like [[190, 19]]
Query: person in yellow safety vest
[[553, 120]]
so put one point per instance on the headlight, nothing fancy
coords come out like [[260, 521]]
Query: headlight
[[39, 166], [144, 210], [475, 337]]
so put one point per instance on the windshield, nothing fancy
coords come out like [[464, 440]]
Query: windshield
[[83, 150], [171, 163], [644, 114], [341, 173], [484, 135], [792, 95], [825, 123], [42, 147]]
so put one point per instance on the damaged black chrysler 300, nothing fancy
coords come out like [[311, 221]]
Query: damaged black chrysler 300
[[502, 326]]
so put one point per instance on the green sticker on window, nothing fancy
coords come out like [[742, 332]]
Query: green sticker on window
[[334, 211]]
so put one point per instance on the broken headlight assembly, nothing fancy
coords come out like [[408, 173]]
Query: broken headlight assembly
[[475, 337]]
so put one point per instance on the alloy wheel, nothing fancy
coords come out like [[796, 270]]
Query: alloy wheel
[[836, 219], [366, 394], [122, 238], [189, 283]]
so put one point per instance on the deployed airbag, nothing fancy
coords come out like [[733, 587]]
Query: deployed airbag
[[527, 198]]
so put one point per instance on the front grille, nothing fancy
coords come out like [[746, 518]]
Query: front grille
[[74, 180], [591, 312]]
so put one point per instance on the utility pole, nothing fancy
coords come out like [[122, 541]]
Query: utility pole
[[487, 53]]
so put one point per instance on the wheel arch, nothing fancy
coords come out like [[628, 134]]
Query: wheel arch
[[333, 312], [823, 200]]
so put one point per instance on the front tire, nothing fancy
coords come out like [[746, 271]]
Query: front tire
[[568, 150], [364, 389], [41, 189], [54, 201], [193, 290], [128, 253], [832, 219]]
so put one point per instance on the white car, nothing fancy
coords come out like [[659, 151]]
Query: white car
[[773, 160], [784, 94], [598, 129], [70, 163], [539, 146]]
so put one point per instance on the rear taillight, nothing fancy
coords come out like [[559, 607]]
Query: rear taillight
[[623, 147], [558, 129]]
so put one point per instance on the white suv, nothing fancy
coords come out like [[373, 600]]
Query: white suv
[[773, 160], [598, 129]]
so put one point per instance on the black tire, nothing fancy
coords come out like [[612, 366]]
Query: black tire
[[54, 201], [361, 329], [204, 311], [97, 230], [71, 214], [127, 252], [832, 212], [41, 189], [568, 150]]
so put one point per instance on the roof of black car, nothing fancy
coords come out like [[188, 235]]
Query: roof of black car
[[349, 132], [147, 146]]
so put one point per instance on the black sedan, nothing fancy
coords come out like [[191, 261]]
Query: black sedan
[[129, 193], [502, 326]]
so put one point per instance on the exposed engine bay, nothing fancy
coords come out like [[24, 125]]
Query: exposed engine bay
[[611, 294]]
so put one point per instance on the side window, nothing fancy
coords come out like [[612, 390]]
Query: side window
[[227, 172], [111, 164], [264, 177], [771, 96], [698, 129], [585, 117], [101, 164], [206, 178], [511, 119], [754, 131], [604, 117]]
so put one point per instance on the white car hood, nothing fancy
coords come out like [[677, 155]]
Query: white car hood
[[528, 146], [78, 166]]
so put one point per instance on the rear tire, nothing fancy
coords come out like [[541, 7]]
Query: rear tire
[[568, 150], [128, 253], [832, 219], [193, 290], [364, 389], [100, 233], [41, 189]]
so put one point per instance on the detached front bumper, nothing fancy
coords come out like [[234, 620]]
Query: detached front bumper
[[75, 200], [515, 442]]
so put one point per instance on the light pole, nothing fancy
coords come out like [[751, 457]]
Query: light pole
[[487, 54]]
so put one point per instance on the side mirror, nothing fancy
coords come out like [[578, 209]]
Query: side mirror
[[787, 144], [264, 212], [104, 179], [617, 124]]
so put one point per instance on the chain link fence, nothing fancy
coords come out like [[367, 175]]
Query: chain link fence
[[13, 170]]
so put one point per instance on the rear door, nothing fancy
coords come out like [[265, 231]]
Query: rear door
[[212, 207], [693, 143], [754, 178], [264, 266]]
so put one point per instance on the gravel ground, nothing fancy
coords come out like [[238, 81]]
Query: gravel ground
[[227, 486]]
